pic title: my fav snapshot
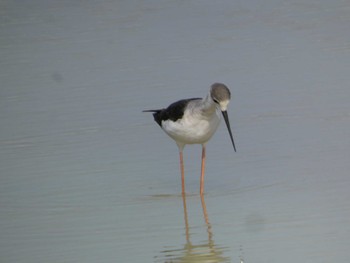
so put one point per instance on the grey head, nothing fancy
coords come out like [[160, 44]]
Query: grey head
[[221, 96], [219, 92]]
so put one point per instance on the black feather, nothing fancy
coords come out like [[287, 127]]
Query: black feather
[[174, 112]]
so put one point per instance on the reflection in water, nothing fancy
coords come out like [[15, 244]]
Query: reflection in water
[[203, 252]]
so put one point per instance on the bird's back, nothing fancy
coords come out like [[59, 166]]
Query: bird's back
[[173, 112]]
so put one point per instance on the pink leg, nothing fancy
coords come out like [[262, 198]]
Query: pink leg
[[202, 170], [182, 173]]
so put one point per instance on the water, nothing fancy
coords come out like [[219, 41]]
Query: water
[[85, 176]]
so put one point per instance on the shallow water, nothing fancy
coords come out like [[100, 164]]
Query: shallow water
[[85, 176]]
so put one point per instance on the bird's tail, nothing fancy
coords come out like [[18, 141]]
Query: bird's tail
[[157, 115], [151, 110]]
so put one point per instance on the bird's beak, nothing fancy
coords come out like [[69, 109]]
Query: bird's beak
[[224, 113]]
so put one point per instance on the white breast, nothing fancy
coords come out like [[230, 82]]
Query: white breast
[[192, 128]]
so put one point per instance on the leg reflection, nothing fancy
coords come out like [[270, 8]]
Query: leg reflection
[[206, 219], [187, 229], [205, 251]]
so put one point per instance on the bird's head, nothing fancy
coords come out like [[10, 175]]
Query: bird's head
[[221, 96]]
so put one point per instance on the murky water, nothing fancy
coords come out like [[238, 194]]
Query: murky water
[[85, 176]]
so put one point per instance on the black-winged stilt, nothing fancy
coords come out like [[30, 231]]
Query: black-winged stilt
[[194, 121]]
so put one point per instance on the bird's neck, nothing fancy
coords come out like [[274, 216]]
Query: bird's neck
[[208, 106]]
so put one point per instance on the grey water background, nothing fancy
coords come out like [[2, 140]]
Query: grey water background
[[85, 176]]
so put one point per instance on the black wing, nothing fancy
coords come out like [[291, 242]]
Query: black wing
[[174, 112]]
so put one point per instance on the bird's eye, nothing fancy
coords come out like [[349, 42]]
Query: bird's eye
[[215, 101]]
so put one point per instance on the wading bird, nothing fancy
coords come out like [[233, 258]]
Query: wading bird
[[194, 121]]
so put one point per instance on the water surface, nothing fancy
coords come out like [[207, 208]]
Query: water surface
[[85, 176]]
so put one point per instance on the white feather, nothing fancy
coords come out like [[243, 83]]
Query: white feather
[[198, 124]]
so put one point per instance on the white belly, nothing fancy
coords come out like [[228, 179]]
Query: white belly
[[192, 129]]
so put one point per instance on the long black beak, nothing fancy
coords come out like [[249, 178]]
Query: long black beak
[[224, 113]]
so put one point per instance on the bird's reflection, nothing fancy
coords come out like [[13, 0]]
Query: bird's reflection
[[203, 252]]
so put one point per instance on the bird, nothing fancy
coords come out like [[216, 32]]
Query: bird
[[194, 121]]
